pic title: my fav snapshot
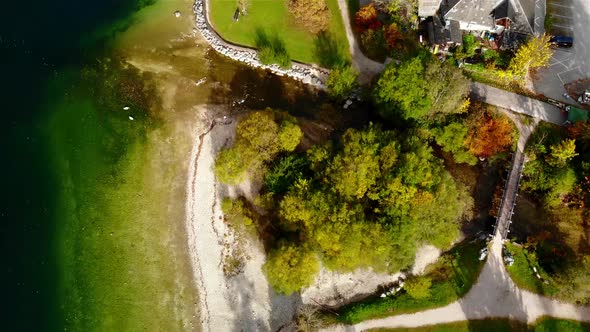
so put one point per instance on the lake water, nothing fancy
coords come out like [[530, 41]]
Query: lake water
[[94, 158]]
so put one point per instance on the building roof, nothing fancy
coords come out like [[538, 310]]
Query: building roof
[[440, 32], [428, 8], [486, 12], [476, 12], [522, 15]]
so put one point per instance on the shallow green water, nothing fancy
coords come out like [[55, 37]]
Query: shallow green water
[[68, 166]]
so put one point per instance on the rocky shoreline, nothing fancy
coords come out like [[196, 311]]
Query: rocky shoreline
[[308, 74]]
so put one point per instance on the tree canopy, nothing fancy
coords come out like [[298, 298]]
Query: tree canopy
[[413, 90], [366, 201], [259, 138], [532, 55]]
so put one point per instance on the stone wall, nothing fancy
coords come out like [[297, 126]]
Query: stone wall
[[307, 74]]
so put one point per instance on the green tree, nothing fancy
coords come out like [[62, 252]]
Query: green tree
[[562, 153], [447, 87], [452, 138], [530, 56], [418, 287], [290, 267], [342, 81], [258, 141], [289, 136], [402, 89], [356, 168], [231, 166]]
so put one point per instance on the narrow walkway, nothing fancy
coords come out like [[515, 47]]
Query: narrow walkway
[[367, 68], [517, 103]]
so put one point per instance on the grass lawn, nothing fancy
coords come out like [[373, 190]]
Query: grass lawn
[[498, 325], [452, 276], [521, 272], [272, 17]]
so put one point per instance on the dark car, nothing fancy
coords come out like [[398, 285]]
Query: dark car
[[562, 41]]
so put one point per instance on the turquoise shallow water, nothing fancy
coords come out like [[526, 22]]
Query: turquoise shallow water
[[41, 44]]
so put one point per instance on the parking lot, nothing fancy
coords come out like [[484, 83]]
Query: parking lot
[[570, 18]]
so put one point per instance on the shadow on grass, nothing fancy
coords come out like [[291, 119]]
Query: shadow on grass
[[327, 51], [271, 48]]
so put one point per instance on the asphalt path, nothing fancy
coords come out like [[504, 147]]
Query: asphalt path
[[517, 103]]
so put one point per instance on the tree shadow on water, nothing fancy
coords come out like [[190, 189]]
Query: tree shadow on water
[[327, 51]]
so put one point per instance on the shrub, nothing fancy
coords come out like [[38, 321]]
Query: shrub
[[342, 82], [289, 268], [418, 287]]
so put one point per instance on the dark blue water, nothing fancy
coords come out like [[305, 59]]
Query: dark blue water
[[39, 41]]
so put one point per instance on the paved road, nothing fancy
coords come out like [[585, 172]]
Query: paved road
[[367, 68], [517, 103]]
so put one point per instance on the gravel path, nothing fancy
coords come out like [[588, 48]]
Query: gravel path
[[367, 68]]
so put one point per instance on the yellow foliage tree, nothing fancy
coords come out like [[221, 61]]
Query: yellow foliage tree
[[530, 56]]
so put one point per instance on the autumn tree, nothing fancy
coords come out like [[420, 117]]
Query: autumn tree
[[491, 135], [367, 19], [342, 81], [314, 15], [531, 56], [290, 267], [393, 36]]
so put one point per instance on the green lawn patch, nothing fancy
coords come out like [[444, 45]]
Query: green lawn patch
[[523, 275], [273, 18], [499, 325], [452, 276]]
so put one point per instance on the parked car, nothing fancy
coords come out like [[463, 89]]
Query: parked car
[[562, 41]]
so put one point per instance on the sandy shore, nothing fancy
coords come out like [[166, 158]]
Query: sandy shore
[[241, 302]]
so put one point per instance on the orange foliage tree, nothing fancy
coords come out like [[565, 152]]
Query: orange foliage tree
[[490, 135], [393, 36], [366, 18]]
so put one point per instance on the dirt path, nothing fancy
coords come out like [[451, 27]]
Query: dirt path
[[367, 68]]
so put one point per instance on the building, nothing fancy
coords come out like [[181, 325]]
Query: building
[[484, 16]]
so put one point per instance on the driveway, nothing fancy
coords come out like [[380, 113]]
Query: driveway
[[570, 18]]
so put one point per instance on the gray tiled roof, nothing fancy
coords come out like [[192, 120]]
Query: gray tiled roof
[[473, 11], [428, 7]]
